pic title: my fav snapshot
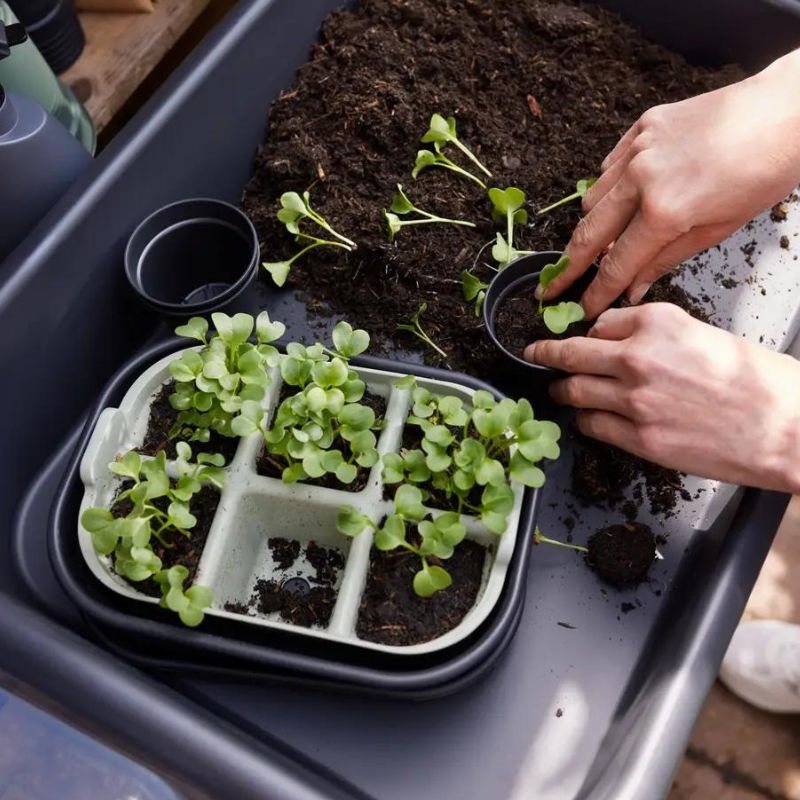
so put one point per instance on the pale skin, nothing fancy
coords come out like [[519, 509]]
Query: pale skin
[[651, 379]]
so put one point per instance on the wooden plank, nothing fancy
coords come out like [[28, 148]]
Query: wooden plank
[[121, 51]]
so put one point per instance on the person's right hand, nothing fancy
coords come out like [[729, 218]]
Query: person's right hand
[[684, 177]]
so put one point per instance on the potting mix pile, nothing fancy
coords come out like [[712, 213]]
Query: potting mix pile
[[541, 91]]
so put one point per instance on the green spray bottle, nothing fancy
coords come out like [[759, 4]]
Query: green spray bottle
[[25, 72]]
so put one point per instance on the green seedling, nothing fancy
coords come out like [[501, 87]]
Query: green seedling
[[507, 206], [401, 205], [295, 209], [558, 317], [415, 326], [474, 290], [189, 605], [212, 383], [442, 131], [483, 448], [581, 187], [321, 428], [540, 538], [436, 158], [439, 535], [155, 507]]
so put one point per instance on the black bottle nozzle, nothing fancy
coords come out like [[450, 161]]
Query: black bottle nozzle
[[10, 36]]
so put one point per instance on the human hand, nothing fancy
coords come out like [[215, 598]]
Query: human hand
[[684, 177], [656, 382]]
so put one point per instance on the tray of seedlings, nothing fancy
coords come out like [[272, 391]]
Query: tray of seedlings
[[269, 503]]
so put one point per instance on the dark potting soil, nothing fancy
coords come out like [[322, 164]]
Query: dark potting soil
[[569, 77], [305, 608], [621, 555], [272, 466], [295, 598], [392, 613], [161, 421], [284, 551], [183, 550]]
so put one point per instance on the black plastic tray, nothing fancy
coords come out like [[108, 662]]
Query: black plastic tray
[[629, 688], [219, 647]]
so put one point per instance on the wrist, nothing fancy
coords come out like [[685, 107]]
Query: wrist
[[782, 465]]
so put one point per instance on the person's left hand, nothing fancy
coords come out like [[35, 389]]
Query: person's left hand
[[656, 382]]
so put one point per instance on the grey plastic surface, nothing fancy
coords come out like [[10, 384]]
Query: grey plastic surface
[[629, 689]]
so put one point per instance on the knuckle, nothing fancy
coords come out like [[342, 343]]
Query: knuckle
[[611, 272], [635, 361], [569, 357], [572, 391], [642, 143], [583, 235], [660, 211], [649, 441], [639, 405], [651, 118], [643, 168]]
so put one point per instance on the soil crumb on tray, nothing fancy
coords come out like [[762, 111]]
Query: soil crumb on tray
[[392, 613], [182, 550], [163, 417], [621, 555], [307, 601], [570, 79]]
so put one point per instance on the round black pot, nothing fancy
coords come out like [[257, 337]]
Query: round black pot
[[192, 257], [524, 272], [55, 29]]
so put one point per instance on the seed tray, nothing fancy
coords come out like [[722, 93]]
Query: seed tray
[[254, 508]]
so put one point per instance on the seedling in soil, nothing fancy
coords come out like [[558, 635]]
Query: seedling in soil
[[294, 209], [540, 538], [439, 536], [401, 205], [436, 158], [507, 206], [474, 290], [581, 187], [321, 428], [442, 132], [212, 384], [415, 326], [188, 604], [468, 457], [159, 509], [557, 317]]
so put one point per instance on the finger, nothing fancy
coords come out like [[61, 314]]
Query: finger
[[590, 391], [610, 428], [615, 324], [629, 256], [685, 246], [604, 184], [578, 354], [601, 226], [621, 146]]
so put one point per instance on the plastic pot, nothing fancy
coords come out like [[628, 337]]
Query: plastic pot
[[192, 257], [254, 508], [521, 274]]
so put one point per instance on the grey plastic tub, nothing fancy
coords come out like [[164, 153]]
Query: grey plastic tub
[[628, 686]]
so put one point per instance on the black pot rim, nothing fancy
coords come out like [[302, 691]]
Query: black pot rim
[[524, 269], [218, 300]]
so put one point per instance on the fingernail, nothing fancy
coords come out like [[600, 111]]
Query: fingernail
[[530, 353], [539, 293], [637, 293]]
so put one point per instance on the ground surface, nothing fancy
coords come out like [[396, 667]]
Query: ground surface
[[737, 752]]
